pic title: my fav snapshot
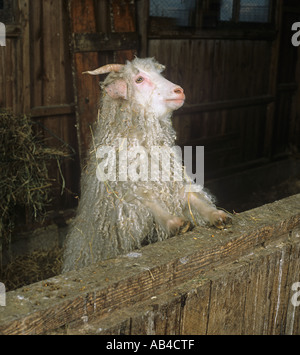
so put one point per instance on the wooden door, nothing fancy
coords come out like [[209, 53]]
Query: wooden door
[[102, 32]]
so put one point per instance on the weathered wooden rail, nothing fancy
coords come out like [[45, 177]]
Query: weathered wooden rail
[[208, 281]]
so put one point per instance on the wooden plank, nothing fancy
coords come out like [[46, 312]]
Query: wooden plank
[[123, 20], [60, 133], [269, 141], [143, 25], [250, 296], [215, 143], [225, 105], [13, 31], [101, 42], [100, 289], [82, 18], [86, 98], [123, 12], [50, 58], [24, 96], [288, 87], [36, 54], [11, 85], [267, 34], [50, 70], [55, 62], [53, 110]]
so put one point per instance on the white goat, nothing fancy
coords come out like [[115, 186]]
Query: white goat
[[121, 214]]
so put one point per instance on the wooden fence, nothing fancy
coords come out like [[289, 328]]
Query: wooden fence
[[242, 280]]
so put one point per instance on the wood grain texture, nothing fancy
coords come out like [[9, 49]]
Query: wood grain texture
[[103, 291]]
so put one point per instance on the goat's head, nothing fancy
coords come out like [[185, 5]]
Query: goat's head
[[141, 81]]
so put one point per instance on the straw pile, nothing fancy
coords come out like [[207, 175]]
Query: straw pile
[[27, 269], [25, 188]]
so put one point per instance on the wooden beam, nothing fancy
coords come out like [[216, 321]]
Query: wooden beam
[[13, 31], [97, 291], [287, 87], [100, 42], [265, 34], [226, 105], [55, 110]]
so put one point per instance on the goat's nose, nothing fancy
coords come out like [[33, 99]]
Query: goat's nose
[[178, 90], [179, 93]]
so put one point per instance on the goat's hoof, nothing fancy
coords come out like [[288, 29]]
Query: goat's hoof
[[175, 224], [185, 228], [220, 219]]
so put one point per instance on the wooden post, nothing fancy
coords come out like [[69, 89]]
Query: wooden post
[[83, 20]]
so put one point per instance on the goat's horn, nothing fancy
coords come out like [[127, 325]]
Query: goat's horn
[[105, 69]]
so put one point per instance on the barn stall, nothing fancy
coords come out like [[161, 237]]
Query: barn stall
[[240, 71]]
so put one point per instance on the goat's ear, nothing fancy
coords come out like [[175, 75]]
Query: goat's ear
[[117, 89]]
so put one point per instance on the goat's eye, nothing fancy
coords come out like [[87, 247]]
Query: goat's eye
[[139, 80]]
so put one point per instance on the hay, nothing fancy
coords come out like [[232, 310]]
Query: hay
[[25, 188], [27, 269]]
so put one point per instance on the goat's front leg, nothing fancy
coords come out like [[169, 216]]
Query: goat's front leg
[[171, 224], [215, 217]]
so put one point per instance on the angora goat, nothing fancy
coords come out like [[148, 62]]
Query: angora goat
[[124, 204]]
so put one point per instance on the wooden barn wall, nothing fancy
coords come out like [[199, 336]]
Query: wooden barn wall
[[241, 89], [36, 79], [233, 75], [51, 96], [11, 87]]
